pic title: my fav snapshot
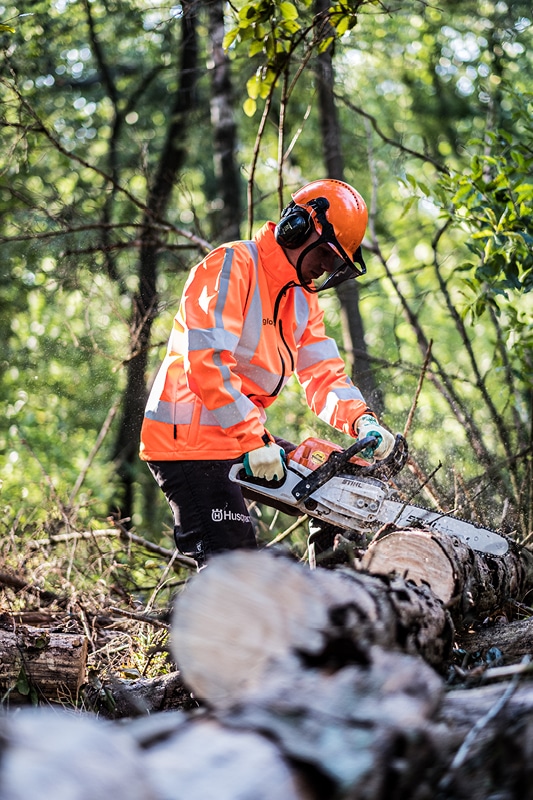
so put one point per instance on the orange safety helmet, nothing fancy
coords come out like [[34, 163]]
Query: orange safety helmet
[[339, 215]]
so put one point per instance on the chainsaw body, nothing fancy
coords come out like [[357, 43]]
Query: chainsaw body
[[337, 487]]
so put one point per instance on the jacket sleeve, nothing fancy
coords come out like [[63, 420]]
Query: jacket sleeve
[[211, 319], [329, 391]]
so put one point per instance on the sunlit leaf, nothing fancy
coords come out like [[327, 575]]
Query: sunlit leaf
[[249, 107], [288, 10]]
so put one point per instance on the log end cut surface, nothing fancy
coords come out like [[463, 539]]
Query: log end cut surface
[[239, 616], [414, 556]]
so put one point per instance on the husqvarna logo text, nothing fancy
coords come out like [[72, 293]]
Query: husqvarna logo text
[[220, 514]]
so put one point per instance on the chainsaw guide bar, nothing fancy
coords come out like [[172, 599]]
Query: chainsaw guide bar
[[346, 491]]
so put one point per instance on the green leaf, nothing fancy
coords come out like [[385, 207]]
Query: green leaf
[[288, 10], [249, 107], [229, 38], [325, 43], [248, 13], [342, 26], [290, 28], [256, 47], [253, 86], [23, 684], [407, 206]]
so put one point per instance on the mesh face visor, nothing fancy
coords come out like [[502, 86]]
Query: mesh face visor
[[344, 269]]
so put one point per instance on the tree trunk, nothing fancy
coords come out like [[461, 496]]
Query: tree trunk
[[40, 664], [471, 584], [356, 355], [226, 219], [145, 301]]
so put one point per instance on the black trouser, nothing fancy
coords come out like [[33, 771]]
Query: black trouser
[[210, 514]]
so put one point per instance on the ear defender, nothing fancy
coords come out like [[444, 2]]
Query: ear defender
[[296, 223], [294, 227]]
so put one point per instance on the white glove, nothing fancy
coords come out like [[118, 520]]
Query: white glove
[[266, 462], [369, 426]]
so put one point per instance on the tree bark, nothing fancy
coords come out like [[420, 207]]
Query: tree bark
[[471, 584], [250, 613], [226, 219], [145, 301], [509, 641], [356, 354], [385, 731], [40, 664], [117, 698]]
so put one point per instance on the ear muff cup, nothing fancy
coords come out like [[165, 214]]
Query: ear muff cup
[[294, 227]]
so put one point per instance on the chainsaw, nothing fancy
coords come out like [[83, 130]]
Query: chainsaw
[[335, 486]]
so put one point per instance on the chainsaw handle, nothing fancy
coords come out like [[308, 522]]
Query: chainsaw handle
[[335, 462]]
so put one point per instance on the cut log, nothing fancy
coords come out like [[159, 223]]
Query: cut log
[[52, 753], [471, 584], [205, 760], [40, 664], [250, 612], [513, 640], [385, 732], [348, 726], [117, 698]]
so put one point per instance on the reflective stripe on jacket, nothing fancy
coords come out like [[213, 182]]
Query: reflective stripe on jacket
[[242, 329]]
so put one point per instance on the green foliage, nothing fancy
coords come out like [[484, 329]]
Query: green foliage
[[268, 28], [494, 200], [277, 33]]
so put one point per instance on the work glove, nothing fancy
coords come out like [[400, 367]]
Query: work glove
[[368, 425], [266, 462]]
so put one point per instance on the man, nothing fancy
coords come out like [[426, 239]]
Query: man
[[248, 319]]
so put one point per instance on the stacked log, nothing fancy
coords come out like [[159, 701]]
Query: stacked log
[[41, 663], [252, 613], [313, 685]]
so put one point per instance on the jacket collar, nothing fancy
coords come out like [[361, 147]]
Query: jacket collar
[[273, 260]]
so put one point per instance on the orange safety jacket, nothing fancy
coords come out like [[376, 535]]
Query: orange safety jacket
[[242, 329]]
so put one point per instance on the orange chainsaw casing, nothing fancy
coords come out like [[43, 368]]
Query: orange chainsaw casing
[[312, 453]]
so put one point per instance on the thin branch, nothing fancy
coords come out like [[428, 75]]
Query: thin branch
[[149, 618], [398, 145], [297, 135], [255, 157], [97, 171], [288, 531], [418, 390], [96, 447], [183, 561], [281, 136], [499, 425], [464, 751]]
